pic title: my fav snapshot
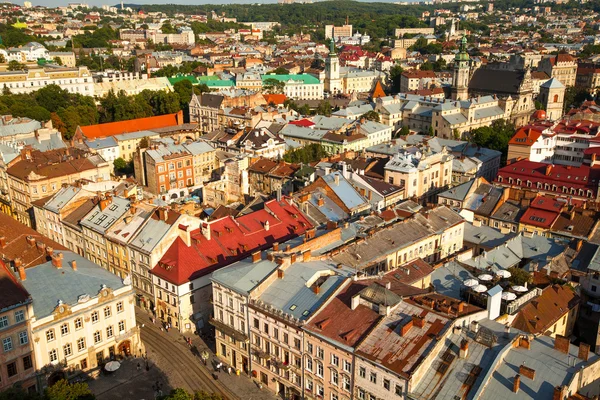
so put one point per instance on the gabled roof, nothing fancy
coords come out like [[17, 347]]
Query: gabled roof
[[132, 125], [541, 313], [230, 240]]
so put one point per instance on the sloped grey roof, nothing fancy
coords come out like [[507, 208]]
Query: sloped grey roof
[[48, 284]]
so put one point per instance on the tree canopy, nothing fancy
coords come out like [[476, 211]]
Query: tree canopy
[[307, 154], [495, 136]]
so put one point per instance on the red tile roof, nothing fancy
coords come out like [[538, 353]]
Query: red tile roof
[[541, 313], [555, 176], [525, 136], [275, 98], [132, 125], [302, 122], [230, 240]]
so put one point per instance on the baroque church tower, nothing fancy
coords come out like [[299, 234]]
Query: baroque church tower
[[461, 76], [333, 83]]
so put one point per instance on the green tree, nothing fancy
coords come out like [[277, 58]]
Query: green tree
[[395, 76], [202, 395], [57, 61], [15, 393], [371, 116], [16, 66], [273, 86], [404, 131], [281, 71], [58, 123], [167, 27], [120, 164], [184, 90], [307, 154], [427, 66], [52, 97], [519, 276], [2, 59], [495, 137], [538, 105], [63, 390], [144, 142], [324, 108]]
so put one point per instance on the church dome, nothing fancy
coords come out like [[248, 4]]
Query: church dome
[[539, 115]]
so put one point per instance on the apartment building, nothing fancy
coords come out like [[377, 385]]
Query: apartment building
[[120, 233], [149, 245], [271, 177], [17, 362], [37, 174], [181, 277], [335, 32], [260, 306], [432, 236], [96, 224], [204, 161], [298, 86], [93, 320], [420, 174], [416, 80], [166, 169], [562, 67], [74, 80]]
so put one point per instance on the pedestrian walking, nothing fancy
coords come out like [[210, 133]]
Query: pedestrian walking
[[139, 367], [229, 370]]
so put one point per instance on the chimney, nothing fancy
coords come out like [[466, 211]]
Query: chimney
[[527, 372], [185, 235], [548, 169], [57, 260], [30, 241], [572, 215], [331, 225], [418, 321], [517, 383], [584, 351], [560, 392], [205, 226], [49, 251], [316, 289], [523, 342], [461, 307], [280, 274], [267, 226], [561, 344], [163, 213], [355, 301], [336, 177], [256, 257], [321, 202], [406, 327], [74, 265], [288, 247], [464, 349], [22, 274], [306, 256], [18, 262], [276, 246], [293, 258], [2, 242], [104, 202]]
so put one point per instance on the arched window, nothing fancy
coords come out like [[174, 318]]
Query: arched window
[[556, 98]]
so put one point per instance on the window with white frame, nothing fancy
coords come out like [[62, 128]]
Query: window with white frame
[[7, 344], [362, 372], [319, 371], [53, 355], [334, 377], [346, 382], [97, 337], [3, 322], [107, 312], [64, 329], [23, 338], [120, 307], [109, 331], [81, 344], [67, 350], [309, 364], [347, 366], [50, 335], [121, 326], [95, 317], [19, 316], [335, 360], [78, 323]]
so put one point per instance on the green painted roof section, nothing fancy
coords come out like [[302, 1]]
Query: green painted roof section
[[306, 78], [204, 79], [219, 83], [174, 79]]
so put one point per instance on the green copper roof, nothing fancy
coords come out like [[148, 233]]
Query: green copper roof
[[462, 54], [178, 78], [306, 78]]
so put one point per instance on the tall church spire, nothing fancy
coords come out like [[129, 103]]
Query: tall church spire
[[460, 79]]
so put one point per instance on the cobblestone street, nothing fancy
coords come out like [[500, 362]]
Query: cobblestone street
[[183, 366]]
